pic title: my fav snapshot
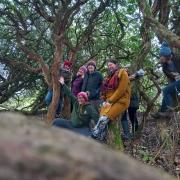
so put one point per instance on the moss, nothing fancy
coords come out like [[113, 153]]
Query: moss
[[114, 138]]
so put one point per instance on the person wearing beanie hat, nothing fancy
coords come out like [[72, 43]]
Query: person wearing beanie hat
[[77, 81], [171, 67], [84, 96], [64, 71], [82, 113], [92, 83], [92, 63], [83, 68], [67, 64], [165, 50]]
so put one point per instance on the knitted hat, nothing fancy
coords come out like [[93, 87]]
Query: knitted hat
[[165, 50], [67, 63], [83, 68], [92, 63], [83, 95]]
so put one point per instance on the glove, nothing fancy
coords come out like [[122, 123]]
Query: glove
[[140, 73]]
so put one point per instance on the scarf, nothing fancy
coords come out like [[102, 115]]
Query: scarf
[[111, 81]]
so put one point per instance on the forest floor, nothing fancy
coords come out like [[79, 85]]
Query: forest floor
[[158, 145]]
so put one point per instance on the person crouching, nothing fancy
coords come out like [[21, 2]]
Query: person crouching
[[82, 113]]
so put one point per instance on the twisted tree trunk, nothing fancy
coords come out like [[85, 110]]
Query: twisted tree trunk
[[54, 75]]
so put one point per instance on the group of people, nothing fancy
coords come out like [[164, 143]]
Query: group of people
[[97, 101]]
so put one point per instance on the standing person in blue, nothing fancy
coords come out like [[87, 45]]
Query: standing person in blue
[[171, 68], [82, 113], [64, 71], [92, 83], [133, 107]]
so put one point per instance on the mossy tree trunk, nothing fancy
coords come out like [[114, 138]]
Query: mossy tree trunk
[[114, 135]]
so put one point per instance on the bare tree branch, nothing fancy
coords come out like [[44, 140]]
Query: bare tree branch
[[157, 27]]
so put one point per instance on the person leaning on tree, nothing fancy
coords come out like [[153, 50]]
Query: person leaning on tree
[[82, 113], [64, 71], [116, 93], [171, 67]]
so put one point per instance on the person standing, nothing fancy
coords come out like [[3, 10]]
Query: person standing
[[116, 94], [64, 71], [133, 107], [77, 82], [92, 83]]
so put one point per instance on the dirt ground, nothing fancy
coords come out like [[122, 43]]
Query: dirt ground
[[159, 145]]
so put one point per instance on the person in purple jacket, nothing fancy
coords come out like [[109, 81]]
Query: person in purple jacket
[[77, 82]]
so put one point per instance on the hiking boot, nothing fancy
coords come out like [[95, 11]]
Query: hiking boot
[[126, 138], [100, 130], [160, 115], [126, 135]]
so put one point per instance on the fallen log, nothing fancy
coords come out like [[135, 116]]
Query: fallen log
[[32, 150]]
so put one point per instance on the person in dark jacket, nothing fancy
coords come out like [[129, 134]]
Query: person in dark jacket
[[92, 83], [82, 114], [171, 68], [64, 71], [133, 107], [77, 82]]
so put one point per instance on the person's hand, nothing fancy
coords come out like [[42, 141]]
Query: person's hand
[[106, 104], [140, 73], [132, 77], [88, 93], [61, 80]]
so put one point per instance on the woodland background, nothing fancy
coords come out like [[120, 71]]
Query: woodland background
[[37, 35]]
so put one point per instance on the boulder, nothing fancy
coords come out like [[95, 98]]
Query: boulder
[[32, 150]]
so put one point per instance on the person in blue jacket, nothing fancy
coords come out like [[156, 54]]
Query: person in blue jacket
[[171, 67]]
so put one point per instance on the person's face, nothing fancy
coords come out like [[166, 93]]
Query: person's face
[[91, 68], [67, 68], [80, 100], [80, 72], [164, 59], [111, 66]]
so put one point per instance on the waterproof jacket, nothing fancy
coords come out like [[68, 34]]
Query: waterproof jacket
[[77, 85], [92, 83], [81, 114], [66, 74], [174, 66], [119, 98]]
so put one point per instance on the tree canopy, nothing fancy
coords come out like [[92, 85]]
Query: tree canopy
[[37, 35]]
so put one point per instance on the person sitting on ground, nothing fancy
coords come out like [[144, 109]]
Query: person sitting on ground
[[82, 114], [133, 107], [116, 94], [92, 83], [171, 68], [77, 81], [64, 71]]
